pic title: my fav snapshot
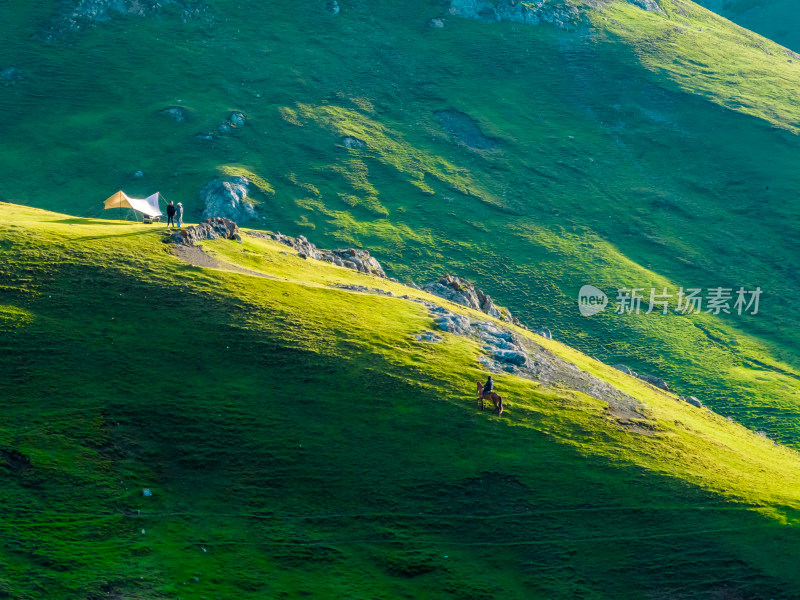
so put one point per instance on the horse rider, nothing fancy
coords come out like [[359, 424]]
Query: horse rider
[[488, 387]]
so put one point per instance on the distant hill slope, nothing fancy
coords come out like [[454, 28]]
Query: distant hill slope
[[174, 431], [777, 20], [607, 145]]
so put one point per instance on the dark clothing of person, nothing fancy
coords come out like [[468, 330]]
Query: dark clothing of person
[[170, 215], [489, 386]]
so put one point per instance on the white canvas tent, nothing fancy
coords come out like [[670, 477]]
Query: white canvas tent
[[147, 206]]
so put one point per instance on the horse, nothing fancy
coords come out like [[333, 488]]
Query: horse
[[496, 400]]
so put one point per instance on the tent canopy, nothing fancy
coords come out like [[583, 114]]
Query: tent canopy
[[147, 206]]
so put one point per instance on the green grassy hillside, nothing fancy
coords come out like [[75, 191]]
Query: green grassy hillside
[[299, 442], [633, 149], [775, 19]]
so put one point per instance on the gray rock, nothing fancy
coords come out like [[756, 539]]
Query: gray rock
[[10, 76], [176, 113], [437, 23], [360, 260], [237, 119], [224, 128], [139, 174], [649, 5], [206, 137], [364, 289], [228, 198], [210, 229], [514, 357], [625, 369], [333, 7], [462, 292], [544, 332], [694, 401], [353, 143], [351, 258], [428, 336], [453, 323], [656, 381]]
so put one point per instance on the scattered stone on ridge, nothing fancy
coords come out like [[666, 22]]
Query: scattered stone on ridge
[[237, 119]]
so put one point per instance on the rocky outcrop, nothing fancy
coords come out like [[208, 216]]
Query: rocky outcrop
[[650, 5], [655, 381], [210, 229], [503, 348], [176, 113], [560, 14], [461, 291], [693, 401], [351, 258], [227, 198], [353, 143], [333, 7], [235, 120]]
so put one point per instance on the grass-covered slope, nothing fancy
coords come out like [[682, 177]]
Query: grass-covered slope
[[775, 19], [298, 441], [636, 149]]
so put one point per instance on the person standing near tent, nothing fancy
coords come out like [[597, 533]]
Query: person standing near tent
[[170, 214], [180, 215]]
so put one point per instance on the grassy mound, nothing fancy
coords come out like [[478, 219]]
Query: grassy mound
[[297, 440]]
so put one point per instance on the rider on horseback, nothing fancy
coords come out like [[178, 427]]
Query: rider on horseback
[[488, 386]]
